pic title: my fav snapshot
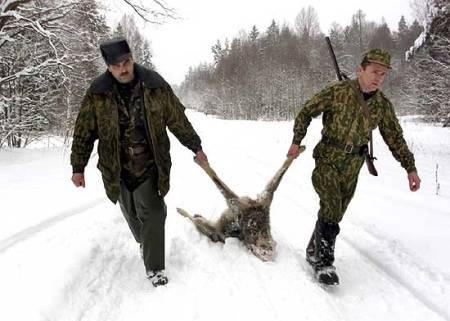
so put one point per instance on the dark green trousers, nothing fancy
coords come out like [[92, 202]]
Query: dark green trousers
[[145, 211]]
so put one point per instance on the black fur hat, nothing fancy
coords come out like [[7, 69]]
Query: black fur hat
[[115, 51]]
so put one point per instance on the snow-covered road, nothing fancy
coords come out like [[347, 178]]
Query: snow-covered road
[[67, 254]]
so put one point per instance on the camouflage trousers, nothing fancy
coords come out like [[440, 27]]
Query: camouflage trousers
[[335, 179]]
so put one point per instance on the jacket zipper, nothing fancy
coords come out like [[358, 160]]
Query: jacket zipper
[[116, 114], [150, 136]]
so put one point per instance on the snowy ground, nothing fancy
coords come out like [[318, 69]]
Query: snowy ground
[[67, 254]]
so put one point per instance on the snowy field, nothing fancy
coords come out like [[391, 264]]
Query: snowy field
[[67, 253]]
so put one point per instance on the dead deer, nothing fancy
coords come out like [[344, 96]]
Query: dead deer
[[245, 218]]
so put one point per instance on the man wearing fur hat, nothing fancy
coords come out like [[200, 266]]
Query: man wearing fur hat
[[340, 153], [127, 109]]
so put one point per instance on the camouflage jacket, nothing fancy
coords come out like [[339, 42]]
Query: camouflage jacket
[[98, 119], [344, 121]]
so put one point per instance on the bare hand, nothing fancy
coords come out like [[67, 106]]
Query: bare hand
[[414, 181], [293, 151], [78, 180], [200, 157]]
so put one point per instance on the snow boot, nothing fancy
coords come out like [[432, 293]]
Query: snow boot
[[320, 252], [310, 250], [157, 277]]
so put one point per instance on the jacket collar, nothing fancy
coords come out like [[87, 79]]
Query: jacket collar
[[150, 79]]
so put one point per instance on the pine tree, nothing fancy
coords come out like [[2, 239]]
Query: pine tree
[[140, 47], [382, 38], [254, 33], [273, 31], [414, 31], [402, 37], [217, 52]]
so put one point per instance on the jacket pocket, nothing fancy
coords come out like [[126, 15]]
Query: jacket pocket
[[107, 174]]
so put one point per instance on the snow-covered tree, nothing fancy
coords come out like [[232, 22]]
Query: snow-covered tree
[[32, 58], [139, 45], [430, 64], [83, 57]]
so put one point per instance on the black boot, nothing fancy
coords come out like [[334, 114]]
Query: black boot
[[324, 239], [157, 277], [310, 257]]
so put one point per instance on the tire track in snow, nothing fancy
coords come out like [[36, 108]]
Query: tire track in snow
[[307, 274], [399, 279], [391, 273], [264, 281], [98, 286], [31, 231]]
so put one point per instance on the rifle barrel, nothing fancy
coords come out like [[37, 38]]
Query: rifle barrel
[[333, 58]]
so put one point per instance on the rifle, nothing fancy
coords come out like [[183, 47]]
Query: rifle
[[341, 76]]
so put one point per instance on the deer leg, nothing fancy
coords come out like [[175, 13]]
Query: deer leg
[[223, 188], [204, 226], [267, 195]]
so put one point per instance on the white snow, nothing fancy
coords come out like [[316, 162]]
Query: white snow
[[433, 11], [67, 253]]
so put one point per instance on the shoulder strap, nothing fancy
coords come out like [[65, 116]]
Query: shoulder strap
[[366, 112], [362, 102]]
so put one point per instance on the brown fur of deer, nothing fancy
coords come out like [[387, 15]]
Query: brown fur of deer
[[245, 218]]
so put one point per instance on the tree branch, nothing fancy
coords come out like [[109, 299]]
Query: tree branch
[[154, 16], [33, 70]]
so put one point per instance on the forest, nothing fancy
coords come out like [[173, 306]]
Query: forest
[[49, 55], [268, 74]]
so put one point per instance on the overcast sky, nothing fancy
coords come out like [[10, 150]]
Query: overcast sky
[[187, 41]]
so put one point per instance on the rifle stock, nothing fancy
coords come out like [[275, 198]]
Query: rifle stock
[[369, 157], [371, 166]]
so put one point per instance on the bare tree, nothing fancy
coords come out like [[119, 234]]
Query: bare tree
[[307, 23], [48, 55], [155, 11]]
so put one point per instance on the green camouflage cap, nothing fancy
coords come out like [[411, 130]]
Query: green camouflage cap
[[378, 56]]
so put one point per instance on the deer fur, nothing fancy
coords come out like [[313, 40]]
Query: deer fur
[[245, 218]]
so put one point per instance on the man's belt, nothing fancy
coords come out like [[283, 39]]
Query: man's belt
[[135, 150], [350, 149]]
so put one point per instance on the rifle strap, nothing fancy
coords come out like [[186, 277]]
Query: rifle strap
[[366, 112]]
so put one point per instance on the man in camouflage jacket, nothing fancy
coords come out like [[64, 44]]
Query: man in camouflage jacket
[[127, 109], [340, 154]]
